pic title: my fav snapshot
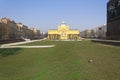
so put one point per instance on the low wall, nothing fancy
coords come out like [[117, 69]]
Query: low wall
[[109, 42]]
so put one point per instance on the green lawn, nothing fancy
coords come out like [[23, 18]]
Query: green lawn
[[68, 60]]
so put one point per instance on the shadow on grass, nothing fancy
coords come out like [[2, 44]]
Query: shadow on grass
[[7, 52]]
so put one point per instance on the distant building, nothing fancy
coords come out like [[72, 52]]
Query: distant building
[[5, 20], [102, 32], [20, 25], [86, 34], [113, 19], [63, 33], [97, 33], [9, 30], [36, 33], [21, 33]]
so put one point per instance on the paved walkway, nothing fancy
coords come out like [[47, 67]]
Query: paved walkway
[[13, 45], [47, 46]]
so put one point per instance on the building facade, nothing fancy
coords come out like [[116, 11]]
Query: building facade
[[98, 32], [10, 30], [86, 34], [113, 19], [101, 34], [63, 33], [36, 33]]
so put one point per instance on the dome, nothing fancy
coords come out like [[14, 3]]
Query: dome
[[63, 26]]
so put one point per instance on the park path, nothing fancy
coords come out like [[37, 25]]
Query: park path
[[14, 45]]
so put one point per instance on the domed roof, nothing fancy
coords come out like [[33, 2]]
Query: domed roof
[[63, 26], [63, 23]]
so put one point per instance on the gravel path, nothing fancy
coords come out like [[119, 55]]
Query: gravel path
[[27, 46], [13, 45]]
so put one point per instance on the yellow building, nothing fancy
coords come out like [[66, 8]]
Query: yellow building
[[63, 33]]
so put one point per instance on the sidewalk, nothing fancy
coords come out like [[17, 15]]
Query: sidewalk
[[13, 45], [17, 43], [47, 46]]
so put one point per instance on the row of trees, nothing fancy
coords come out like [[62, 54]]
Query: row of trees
[[9, 30]]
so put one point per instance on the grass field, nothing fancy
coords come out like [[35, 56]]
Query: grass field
[[68, 60]]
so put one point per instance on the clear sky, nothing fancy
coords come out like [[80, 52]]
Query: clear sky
[[48, 14]]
